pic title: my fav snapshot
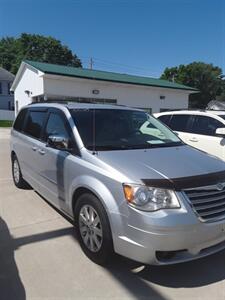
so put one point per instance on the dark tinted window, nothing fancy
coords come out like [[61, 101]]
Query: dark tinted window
[[205, 125], [165, 119], [115, 129], [34, 123], [56, 126], [179, 122], [18, 125]]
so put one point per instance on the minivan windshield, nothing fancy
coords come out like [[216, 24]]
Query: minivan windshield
[[121, 129]]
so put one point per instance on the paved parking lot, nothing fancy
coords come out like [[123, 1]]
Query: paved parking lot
[[41, 259]]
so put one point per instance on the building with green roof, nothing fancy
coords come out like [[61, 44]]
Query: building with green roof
[[38, 81]]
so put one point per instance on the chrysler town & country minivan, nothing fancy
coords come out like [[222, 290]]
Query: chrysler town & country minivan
[[141, 193]]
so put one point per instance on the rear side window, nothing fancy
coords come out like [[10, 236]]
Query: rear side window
[[165, 119], [34, 123], [205, 125], [179, 122], [19, 122]]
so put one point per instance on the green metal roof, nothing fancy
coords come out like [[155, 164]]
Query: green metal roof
[[106, 76]]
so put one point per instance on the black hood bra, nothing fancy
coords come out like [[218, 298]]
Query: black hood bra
[[187, 182]]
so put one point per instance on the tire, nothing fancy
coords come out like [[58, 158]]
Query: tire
[[94, 236], [16, 174]]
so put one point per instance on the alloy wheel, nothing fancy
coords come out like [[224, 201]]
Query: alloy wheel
[[16, 171], [90, 228]]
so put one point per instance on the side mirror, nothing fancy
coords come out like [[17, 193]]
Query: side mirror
[[220, 132], [58, 142]]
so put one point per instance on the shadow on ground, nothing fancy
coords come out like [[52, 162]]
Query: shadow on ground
[[11, 286], [197, 273]]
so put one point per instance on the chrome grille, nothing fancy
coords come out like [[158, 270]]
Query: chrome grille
[[208, 202]]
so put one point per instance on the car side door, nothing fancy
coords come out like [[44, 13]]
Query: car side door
[[203, 135], [54, 161], [32, 144]]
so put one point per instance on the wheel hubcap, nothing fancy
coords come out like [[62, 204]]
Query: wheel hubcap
[[90, 228], [16, 171]]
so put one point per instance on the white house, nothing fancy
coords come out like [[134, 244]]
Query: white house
[[36, 82], [6, 98]]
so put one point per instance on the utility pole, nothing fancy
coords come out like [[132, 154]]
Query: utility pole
[[91, 63]]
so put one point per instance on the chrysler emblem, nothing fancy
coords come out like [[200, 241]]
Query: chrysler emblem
[[220, 186]]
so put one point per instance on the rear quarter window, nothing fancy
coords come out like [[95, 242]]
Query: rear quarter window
[[165, 119], [19, 122]]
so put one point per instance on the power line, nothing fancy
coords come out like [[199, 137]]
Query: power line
[[123, 65], [106, 63]]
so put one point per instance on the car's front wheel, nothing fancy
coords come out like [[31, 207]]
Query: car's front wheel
[[16, 173], [93, 229]]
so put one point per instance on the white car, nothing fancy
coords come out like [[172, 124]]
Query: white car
[[204, 130]]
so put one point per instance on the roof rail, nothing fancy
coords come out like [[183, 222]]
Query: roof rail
[[189, 109]]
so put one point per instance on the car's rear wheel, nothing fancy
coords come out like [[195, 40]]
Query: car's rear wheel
[[93, 229], [16, 173]]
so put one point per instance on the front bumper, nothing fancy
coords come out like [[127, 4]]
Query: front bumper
[[148, 247], [167, 237]]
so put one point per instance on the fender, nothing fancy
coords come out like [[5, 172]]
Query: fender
[[96, 187], [104, 195]]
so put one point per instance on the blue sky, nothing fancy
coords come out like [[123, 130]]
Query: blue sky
[[129, 36]]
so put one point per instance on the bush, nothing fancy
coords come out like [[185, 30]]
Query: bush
[[6, 123]]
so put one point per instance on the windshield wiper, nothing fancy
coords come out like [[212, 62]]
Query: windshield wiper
[[118, 147], [172, 144], [132, 147], [108, 147]]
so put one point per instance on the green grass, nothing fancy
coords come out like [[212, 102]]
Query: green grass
[[5, 123]]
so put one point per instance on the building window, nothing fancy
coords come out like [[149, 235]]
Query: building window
[[0, 88], [83, 100], [9, 87], [147, 109], [166, 109], [94, 100]]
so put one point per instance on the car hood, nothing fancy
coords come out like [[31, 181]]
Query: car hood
[[162, 163]]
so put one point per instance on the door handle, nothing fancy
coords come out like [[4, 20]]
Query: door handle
[[34, 148], [41, 151], [193, 139]]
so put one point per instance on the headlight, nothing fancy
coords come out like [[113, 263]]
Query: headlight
[[150, 198]]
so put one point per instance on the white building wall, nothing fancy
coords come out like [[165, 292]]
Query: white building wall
[[30, 81], [125, 94]]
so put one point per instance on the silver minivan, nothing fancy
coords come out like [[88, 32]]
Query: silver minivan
[[128, 182]]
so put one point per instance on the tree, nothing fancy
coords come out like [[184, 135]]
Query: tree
[[205, 77], [34, 47]]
